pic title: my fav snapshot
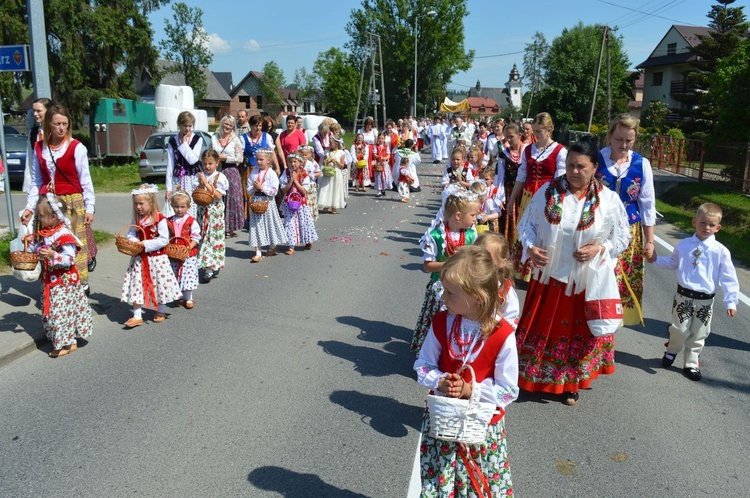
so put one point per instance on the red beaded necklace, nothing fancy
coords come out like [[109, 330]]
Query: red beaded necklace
[[465, 351], [450, 246]]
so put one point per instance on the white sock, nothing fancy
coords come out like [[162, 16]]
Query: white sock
[[162, 308], [257, 252], [137, 313], [188, 294]]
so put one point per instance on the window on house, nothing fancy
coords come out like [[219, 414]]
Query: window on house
[[259, 101], [671, 49], [515, 91], [657, 79]]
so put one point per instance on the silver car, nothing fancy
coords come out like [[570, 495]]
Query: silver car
[[153, 157]]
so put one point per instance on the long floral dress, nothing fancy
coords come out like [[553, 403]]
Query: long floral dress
[[212, 253]]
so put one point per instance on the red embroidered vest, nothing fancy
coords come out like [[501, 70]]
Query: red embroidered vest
[[66, 177], [152, 232], [540, 172], [184, 232], [483, 364]]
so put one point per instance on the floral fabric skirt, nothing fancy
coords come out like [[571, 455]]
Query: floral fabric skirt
[[523, 270], [186, 272], [234, 214], [165, 283], [69, 317], [430, 306], [383, 180], [298, 226], [212, 251], [444, 473], [312, 200], [76, 213], [266, 229], [630, 264], [556, 351]]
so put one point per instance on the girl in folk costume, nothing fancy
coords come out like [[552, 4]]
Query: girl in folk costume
[[229, 147], [440, 242], [348, 159], [629, 175], [573, 229], [183, 155], [266, 228], [381, 170], [60, 165], [490, 202], [149, 280], [408, 152], [313, 171], [331, 184], [298, 222], [362, 154], [506, 171], [213, 249], [458, 170], [66, 314], [469, 333], [404, 179], [498, 247], [474, 158], [540, 163], [181, 224], [392, 139]]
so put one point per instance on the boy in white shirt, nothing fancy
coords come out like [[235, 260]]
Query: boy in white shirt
[[702, 264]]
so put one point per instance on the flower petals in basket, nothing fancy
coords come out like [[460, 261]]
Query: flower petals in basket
[[178, 248], [127, 246], [460, 420]]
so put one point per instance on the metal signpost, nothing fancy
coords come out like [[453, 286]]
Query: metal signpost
[[12, 58]]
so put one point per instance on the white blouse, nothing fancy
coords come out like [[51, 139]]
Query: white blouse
[[151, 245], [501, 389], [270, 181], [559, 162], [647, 194], [82, 170], [234, 149]]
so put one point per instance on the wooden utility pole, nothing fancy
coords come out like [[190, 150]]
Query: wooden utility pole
[[596, 83]]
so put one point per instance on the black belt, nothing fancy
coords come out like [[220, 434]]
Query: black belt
[[228, 165], [693, 294]]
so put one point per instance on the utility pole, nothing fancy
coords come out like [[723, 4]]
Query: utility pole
[[375, 56], [609, 80], [39, 63], [596, 83]]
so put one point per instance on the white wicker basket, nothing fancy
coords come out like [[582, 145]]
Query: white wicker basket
[[460, 420]]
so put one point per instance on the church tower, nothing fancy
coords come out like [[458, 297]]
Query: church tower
[[514, 87]]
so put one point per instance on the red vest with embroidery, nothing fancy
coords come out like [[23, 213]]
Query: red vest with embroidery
[[66, 177], [151, 233], [483, 364], [67, 275], [540, 172], [184, 232]]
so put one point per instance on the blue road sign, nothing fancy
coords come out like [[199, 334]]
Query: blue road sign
[[14, 58]]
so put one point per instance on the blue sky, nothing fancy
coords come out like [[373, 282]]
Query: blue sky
[[247, 34]]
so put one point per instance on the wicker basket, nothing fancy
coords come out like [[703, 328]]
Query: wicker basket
[[24, 260], [127, 246], [378, 167], [178, 248], [202, 196], [258, 206], [460, 420]]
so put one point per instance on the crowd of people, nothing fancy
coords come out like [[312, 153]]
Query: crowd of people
[[576, 223]]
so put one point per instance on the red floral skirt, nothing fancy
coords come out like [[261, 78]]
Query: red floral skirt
[[556, 351]]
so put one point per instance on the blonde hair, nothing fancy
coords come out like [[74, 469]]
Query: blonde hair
[[474, 150], [44, 207], [473, 271], [626, 121], [457, 204], [334, 127], [710, 210], [180, 194], [185, 117], [151, 199], [458, 150], [488, 174], [479, 188], [331, 146], [544, 120], [497, 245]]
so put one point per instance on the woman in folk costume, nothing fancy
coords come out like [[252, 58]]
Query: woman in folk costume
[[540, 163], [573, 228], [629, 175], [298, 222], [60, 165], [183, 158], [506, 171], [362, 154], [322, 142], [149, 280], [66, 311], [229, 147]]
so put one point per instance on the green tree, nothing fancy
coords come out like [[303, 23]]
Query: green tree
[[186, 44], [730, 85], [729, 26], [339, 84], [534, 54], [272, 82], [570, 72], [655, 115], [308, 84], [441, 51], [95, 49]]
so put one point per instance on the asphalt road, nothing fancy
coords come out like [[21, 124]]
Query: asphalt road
[[292, 377]]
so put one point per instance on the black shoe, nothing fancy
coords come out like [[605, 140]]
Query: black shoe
[[207, 276], [692, 373], [667, 360], [380, 194], [87, 290], [216, 274], [92, 265], [436, 162], [246, 225]]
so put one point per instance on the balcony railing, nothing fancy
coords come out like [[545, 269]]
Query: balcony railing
[[682, 87]]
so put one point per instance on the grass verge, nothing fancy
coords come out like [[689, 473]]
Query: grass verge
[[680, 204]]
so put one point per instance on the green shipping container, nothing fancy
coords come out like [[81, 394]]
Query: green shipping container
[[121, 126]]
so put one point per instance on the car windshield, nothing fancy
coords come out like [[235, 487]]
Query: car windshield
[[9, 130], [156, 142], [15, 143]]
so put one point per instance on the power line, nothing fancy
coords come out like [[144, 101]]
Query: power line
[[497, 55], [650, 14]]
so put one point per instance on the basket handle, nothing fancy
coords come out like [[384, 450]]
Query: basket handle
[[128, 226], [186, 241], [474, 384]]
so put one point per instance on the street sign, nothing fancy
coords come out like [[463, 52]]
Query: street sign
[[14, 58]]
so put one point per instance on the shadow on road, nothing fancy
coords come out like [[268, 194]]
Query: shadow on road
[[370, 362], [385, 415], [295, 484], [376, 330], [648, 365]]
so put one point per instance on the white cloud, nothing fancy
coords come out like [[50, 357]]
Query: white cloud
[[218, 45], [252, 46]]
